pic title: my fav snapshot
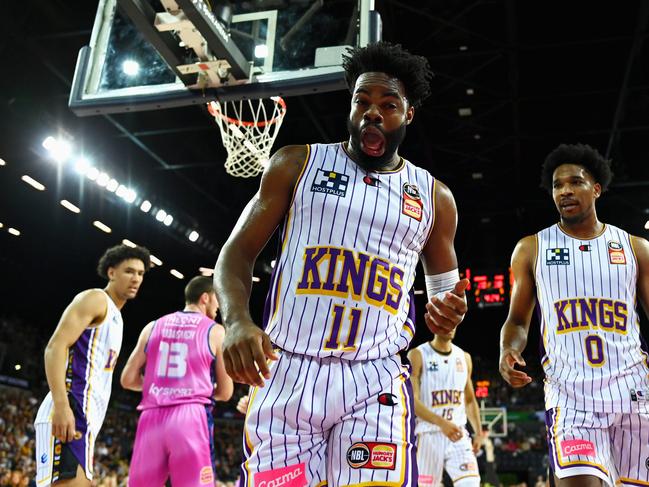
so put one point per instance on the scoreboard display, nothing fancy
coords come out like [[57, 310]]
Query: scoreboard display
[[488, 287]]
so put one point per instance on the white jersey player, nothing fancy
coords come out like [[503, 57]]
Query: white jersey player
[[584, 277], [444, 398], [355, 220], [79, 362]]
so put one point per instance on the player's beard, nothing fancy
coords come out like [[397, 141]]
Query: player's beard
[[375, 163]]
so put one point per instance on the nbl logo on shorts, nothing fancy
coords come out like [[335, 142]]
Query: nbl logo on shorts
[[558, 256], [330, 182]]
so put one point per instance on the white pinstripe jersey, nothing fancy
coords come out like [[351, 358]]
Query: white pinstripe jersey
[[350, 245], [90, 365], [592, 352], [441, 385]]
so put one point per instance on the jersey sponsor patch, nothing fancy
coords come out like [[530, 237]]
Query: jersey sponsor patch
[[291, 476], [639, 395], [469, 467], [616, 253], [372, 455], [459, 367], [206, 476], [577, 447], [330, 182], [411, 204], [557, 256]]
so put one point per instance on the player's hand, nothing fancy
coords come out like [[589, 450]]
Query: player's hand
[[246, 349], [478, 441], [509, 358], [443, 315], [63, 424], [242, 405], [452, 431]]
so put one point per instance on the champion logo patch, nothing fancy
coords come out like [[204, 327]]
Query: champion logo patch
[[411, 204], [387, 399], [557, 256], [616, 253], [585, 247], [330, 182]]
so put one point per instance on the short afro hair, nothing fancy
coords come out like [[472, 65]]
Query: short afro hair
[[581, 155], [382, 57], [114, 256]]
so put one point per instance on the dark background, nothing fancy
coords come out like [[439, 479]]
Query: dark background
[[543, 73]]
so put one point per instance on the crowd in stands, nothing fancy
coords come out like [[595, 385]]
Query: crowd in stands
[[522, 452]]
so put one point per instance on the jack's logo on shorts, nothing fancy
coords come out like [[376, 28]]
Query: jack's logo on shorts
[[291, 476], [206, 476], [469, 467], [372, 455], [578, 447]]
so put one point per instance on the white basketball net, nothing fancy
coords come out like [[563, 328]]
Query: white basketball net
[[248, 142]]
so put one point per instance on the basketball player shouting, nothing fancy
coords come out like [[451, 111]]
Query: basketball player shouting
[[585, 276], [355, 218], [79, 362]]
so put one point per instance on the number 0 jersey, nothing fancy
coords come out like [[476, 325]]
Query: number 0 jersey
[[441, 385], [179, 362], [350, 245], [592, 352]]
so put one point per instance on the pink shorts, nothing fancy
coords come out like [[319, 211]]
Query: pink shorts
[[173, 442]]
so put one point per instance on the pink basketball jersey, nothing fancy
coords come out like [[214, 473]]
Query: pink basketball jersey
[[179, 363]]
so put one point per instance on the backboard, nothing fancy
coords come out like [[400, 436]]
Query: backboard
[[152, 54]]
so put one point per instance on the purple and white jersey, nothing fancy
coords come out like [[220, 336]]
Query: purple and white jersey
[[592, 352], [441, 385], [90, 365], [179, 362], [350, 245]]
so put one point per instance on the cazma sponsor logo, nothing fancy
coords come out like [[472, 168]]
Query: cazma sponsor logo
[[291, 476]]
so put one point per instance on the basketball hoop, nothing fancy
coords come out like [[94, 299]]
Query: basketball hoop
[[248, 142]]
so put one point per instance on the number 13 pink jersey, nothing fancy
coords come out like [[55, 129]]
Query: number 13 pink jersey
[[179, 362]]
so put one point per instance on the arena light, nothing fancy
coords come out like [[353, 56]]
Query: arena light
[[206, 271], [177, 274], [465, 112], [101, 226], [128, 243], [419, 291], [13, 231], [261, 51], [145, 206], [131, 67], [82, 166], [70, 206], [130, 196], [272, 263], [112, 185], [193, 236], [2, 162], [92, 174], [161, 215], [470, 91], [1, 225], [477, 137], [168, 220], [17, 367], [646, 225], [155, 260], [33, 183], [102, 179], [255, 279], [58, 149]]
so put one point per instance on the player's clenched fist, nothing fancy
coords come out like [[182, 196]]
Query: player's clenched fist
[[246, 350], [508, 360], [445, 312]]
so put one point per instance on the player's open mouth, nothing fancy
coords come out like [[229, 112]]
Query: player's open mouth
[[372, 141], [568, 205]]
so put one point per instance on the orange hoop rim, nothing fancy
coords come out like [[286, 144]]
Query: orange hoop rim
[[278, 101]]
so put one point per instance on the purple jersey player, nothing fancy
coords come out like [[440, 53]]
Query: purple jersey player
[[175, 364]]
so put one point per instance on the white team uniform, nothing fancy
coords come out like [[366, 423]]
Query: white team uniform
[[441, 389], [89, 374], [337, 409], [594, 358]]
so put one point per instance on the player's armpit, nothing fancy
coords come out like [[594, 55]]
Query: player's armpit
[[641, 251], [132, 378]]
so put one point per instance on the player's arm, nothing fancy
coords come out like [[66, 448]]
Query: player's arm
[[132, 377], [513, 335], [87, 308], [224, 384], [246, 347], [641, 250], [472, 409], [447, 304], [452, 431]]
